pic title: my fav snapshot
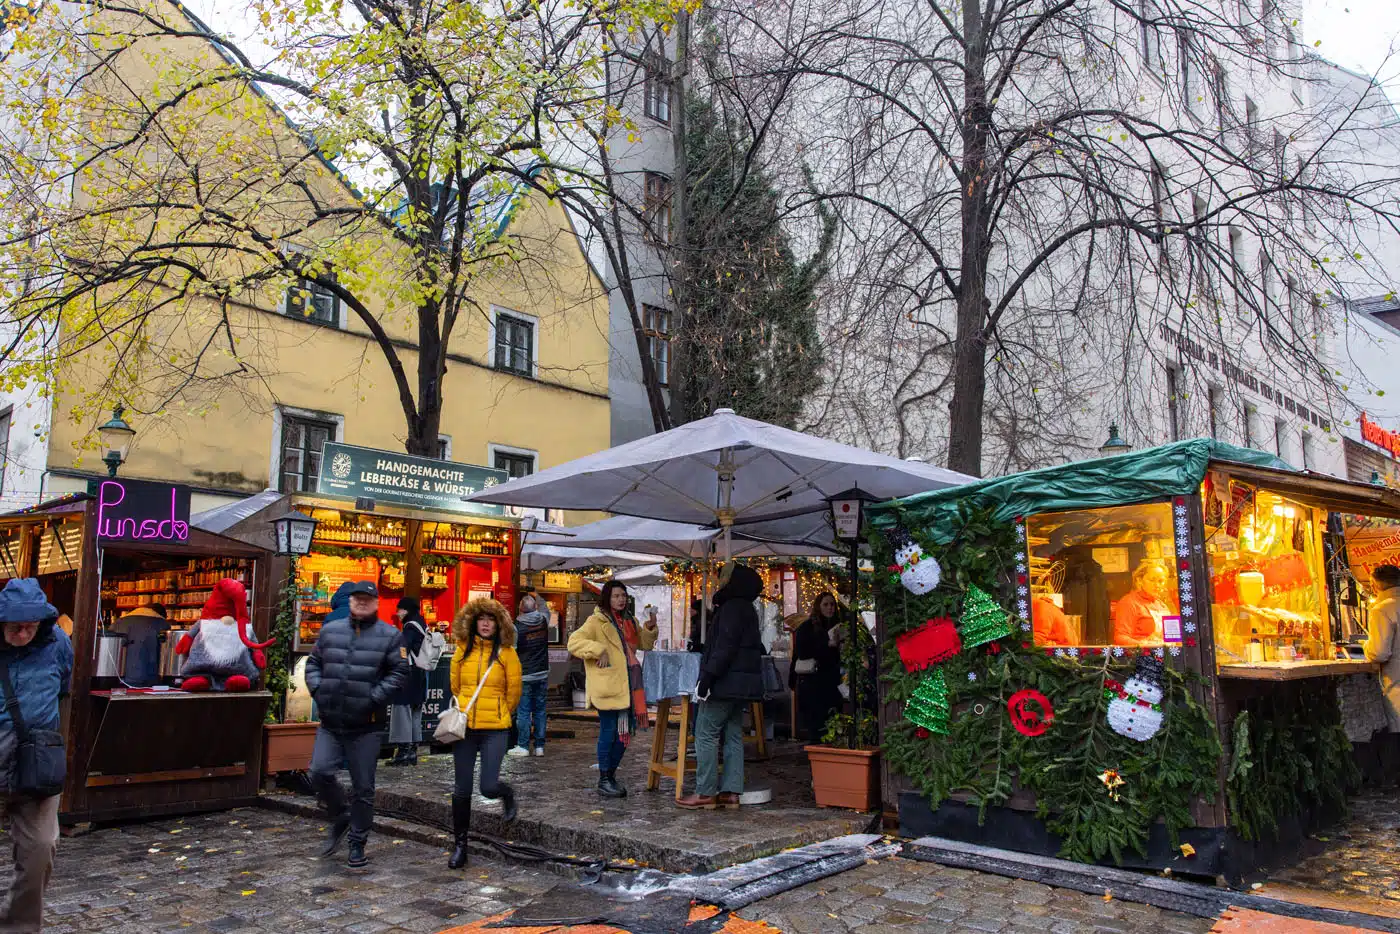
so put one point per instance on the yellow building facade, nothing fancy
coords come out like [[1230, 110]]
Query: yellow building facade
[[526, 382]]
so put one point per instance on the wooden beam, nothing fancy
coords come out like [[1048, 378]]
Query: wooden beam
[[176, 775]]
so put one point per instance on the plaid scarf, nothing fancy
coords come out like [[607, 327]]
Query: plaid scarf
[[627, 632]]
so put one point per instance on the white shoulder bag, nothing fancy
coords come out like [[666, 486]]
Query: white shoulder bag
[[452, 723]]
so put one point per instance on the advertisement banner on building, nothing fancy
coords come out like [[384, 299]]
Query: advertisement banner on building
[[405, 480]]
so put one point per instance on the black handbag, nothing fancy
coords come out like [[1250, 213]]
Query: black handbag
[[41, 763]]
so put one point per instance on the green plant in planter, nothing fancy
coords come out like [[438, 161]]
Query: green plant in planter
[[279, 654], [855, 660]]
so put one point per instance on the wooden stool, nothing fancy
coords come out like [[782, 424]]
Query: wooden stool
[[658, 766]]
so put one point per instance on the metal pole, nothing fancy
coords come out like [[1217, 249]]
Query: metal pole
[[856, 653]]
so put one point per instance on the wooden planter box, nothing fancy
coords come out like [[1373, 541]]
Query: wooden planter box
[[287, 746], [845, 778]]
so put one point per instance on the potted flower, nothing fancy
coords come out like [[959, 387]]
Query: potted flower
[[287, 740], [846, 767]]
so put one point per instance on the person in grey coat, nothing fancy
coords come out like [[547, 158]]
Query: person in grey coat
[[358, 664]]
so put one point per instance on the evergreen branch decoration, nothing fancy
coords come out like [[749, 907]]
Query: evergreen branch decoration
[[279, 654]]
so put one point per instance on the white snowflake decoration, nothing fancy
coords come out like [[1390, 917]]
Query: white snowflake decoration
[[1022, 592], [1117, 651], [1189, 626], [1182, 551], [1175, 650], [1020, 567], [1025, 627], [1158, 652], [1072, 653], [1021, 607], [1181, 511], [972, 676], [1059, 653]]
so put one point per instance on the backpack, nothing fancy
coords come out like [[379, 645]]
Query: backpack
[[430, 652]]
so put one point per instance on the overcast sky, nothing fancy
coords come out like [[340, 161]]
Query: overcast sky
[[1358, 34]]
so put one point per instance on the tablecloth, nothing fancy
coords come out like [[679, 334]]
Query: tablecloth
[[672, 674]]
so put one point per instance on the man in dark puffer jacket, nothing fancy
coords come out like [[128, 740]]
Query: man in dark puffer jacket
[[358, 664], [731, 678]]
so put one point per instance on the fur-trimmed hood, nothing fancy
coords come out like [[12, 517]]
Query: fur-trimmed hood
[[466, 618]]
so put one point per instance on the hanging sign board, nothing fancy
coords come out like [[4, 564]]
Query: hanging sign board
[[142, 512], [351, 472], [561, 582]]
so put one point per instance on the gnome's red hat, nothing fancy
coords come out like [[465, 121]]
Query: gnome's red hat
[[230, 598]]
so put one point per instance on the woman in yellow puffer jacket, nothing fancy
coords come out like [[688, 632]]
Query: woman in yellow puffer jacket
[[485, 658]]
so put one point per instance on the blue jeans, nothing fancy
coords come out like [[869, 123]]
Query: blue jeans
[[610, 748], [719, 721], [531, 711]]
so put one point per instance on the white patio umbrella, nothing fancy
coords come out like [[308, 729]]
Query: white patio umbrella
[[536, 557], [669, 539], [725, 471]]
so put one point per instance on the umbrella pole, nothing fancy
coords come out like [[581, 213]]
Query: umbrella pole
[[855, 642], [705, 598]]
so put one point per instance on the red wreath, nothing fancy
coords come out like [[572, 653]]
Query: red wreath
[[1031, 713]]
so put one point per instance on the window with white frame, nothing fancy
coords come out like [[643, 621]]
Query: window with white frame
[[514, 344], [312, 301], [302, 444], [514, 461], [1150, 41], [1190, 73], [656, 323]]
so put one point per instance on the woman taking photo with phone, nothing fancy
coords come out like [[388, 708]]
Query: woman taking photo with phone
[[608, 642], [486, 685]]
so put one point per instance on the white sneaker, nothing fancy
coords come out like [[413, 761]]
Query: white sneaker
[[518, 751], [539, 751]]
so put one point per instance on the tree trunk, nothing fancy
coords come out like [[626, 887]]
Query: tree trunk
[[681, 407], [970, 339]]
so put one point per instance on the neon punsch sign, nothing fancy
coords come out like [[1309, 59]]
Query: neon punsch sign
[[140, 511]]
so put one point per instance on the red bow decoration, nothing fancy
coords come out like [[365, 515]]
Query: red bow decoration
[[935, 641]]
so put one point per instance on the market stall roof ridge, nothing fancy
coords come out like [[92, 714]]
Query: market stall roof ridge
[[1173, 469]]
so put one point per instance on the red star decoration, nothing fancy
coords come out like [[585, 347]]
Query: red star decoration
[[1181, 501], [993, 648], [1190, 640], [922, 733], [1184, 564]]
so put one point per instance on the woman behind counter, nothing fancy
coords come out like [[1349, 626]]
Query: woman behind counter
[[1137, 620]]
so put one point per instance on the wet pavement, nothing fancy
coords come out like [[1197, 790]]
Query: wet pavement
[[1358, 859], [560, 808], [252, 871]]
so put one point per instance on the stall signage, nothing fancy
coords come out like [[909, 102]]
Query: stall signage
[[559, 581], [1389, 440], [401, 479], [142, 511]]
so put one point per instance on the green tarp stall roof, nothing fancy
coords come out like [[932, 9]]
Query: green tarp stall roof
[[1170, 470]]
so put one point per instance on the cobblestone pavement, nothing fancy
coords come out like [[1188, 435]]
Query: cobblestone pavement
[[253, 871], [901, 896], [560, 808], [1359, 858]]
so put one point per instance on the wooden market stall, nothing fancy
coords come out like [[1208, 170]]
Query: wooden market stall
[[148, 749], [1152, 658]]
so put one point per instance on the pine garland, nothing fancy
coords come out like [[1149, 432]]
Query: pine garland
[[983, 758], [279, 654]]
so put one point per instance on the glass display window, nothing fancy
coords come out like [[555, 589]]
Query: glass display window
[[1104, 577], [1268, 586]]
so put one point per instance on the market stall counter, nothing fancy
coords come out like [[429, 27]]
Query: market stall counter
[[136, 745], [1151, 659]]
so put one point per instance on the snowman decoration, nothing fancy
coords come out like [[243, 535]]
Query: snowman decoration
[[1135, 708], [918, 572]]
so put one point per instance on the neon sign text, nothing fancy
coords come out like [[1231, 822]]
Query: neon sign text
[[136, 511]]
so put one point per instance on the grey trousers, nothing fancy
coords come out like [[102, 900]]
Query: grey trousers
[[719, 722], [34, 837], [361, 752]]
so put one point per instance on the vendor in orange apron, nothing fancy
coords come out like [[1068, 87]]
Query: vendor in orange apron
[[1137, 619]]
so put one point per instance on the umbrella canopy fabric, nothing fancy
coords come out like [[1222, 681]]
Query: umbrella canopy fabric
[[668, 539], [725, 470], [554, 558]]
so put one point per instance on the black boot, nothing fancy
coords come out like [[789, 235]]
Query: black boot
[[461, 828], [608, 786], [508, 811], [612, 777], [335, 833], [410, 754]]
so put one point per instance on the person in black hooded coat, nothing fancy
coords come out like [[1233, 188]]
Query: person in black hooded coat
[[731, 678], [406, 710]]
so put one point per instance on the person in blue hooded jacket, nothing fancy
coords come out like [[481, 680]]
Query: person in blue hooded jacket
[[38, 658]]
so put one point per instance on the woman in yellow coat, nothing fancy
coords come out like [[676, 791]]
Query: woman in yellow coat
[[608, 642], [485, 665]]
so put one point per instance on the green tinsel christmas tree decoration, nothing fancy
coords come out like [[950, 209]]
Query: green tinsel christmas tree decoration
[[983, 619], [928, 707]]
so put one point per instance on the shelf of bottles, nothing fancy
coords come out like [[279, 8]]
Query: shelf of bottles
[[181, 591], [350, 530]]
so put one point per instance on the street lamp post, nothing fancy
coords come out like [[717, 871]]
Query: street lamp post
[[294, 531], [846, 520], [116, 437], [1115, 443]]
